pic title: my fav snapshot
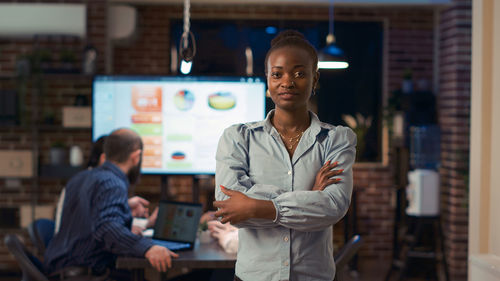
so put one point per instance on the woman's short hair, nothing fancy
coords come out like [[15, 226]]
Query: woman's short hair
[[293, 38]]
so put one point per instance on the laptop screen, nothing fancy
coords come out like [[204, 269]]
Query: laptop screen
[[177, 221]]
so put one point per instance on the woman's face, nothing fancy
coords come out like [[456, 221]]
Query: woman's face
[[290, 78]]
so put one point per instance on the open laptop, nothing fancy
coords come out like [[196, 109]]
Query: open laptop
[[177, 225]]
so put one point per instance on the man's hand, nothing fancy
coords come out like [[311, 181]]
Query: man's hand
[[323, 178], [139, 207], [239, 207], [160, 257]]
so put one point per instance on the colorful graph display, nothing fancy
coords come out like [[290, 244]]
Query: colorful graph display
[[184, 100], [180, 119]]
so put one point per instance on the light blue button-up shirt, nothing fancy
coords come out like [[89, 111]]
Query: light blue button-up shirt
[[298, 244]]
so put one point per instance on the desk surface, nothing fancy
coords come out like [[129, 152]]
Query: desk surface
[[204, 255]]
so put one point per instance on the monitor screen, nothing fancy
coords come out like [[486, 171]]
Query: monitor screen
[[180, 119]]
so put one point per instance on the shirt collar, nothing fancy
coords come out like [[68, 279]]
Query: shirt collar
[[313, 130], [115, 170]]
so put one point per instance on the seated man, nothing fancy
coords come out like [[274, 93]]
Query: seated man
[[138, 205], [96, 218]]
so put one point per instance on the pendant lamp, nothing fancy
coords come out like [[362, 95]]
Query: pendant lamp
[[331, 56], [187, 51]]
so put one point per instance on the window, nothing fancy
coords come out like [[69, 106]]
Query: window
[[221, 48]]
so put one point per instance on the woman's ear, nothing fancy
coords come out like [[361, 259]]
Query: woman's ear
[[315, 83], [316, 79]]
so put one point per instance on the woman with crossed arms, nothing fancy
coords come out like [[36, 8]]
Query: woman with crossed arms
[[275, 179]]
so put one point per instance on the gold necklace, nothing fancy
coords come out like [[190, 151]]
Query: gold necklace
[[293, 140]]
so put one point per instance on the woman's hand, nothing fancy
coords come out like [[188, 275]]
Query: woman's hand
[[152, 218], [325, 174], [237, 208], [139, 207], [218, 229], [208, 216]]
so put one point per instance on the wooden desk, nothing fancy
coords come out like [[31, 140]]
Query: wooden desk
[[204, 255]]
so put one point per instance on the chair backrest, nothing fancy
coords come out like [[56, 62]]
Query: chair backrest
[[41, 232], [345, 254], [30, 266]]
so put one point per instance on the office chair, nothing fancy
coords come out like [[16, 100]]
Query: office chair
[[41, 232], [345, 254], [30, 266]]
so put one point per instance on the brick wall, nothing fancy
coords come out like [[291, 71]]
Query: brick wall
[[454, 119], [49, 93], [410, 45], [149, 50]]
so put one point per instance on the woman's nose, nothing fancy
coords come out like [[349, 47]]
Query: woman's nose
[[288, 83]]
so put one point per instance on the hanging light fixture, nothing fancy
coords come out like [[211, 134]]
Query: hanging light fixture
[[331, 56], [186, 50]]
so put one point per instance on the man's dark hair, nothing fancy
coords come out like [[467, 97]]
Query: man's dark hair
[[293, 38], [120, 144]]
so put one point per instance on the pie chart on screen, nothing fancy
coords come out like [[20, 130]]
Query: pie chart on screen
[[221, 101], [184, 100]]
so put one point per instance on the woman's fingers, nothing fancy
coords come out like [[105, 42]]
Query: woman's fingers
[[333, 173], [329, 182], [225, 219], [218, 213], [329, 165]]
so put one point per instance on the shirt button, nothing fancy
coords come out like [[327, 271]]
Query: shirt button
[[289, 172], [285, 263], [286, 238]]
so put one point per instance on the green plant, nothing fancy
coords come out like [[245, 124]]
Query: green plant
[[68, 56], [393, 105], [58, 144], [407, 74], [360, 125]]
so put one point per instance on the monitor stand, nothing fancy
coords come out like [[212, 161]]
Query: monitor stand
[[164, 188], [196, 186], [164, 194]]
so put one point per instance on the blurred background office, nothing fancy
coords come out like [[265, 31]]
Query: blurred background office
[[409, 67]]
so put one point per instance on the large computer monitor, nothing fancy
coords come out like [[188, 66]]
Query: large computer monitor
[[180, 119]]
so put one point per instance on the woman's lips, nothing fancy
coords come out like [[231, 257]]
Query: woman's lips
[[287, 94]]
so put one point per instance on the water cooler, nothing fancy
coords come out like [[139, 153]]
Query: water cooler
[[422, 193], [424, 237]]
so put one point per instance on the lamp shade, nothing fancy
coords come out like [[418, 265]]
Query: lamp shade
[[332, 57]]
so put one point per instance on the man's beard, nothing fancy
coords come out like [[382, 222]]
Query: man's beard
[[134, 174]]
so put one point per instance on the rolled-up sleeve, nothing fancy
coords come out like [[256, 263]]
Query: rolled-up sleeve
[[232, 171]]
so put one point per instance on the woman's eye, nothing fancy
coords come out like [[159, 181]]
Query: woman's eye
[[275, 75], [299, 74]]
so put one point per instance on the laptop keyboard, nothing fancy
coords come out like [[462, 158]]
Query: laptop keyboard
[[172, 245]]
